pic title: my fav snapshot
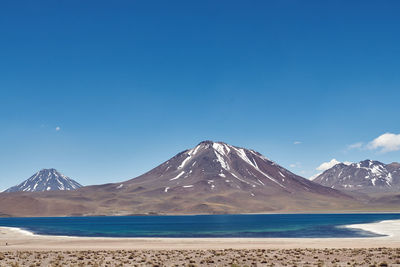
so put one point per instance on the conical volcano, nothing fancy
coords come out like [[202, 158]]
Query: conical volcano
[[46, 180], [218, 167]]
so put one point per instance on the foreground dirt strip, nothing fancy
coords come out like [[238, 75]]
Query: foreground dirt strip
[[228, 257], [45, 243]]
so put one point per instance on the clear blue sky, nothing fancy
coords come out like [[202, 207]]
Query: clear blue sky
[[132, 83]]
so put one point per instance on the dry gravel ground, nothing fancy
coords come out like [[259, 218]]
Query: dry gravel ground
[[227, 257]]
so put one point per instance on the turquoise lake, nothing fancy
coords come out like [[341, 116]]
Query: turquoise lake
[[262, 225]]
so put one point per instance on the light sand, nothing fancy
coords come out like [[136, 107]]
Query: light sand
[[14, 239]]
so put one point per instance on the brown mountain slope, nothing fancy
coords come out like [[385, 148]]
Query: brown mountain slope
[[213, 177]]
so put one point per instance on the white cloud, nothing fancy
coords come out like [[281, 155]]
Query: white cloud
[[58, 128], [297, 142], [327, 165], [386, 143], [358, 145]]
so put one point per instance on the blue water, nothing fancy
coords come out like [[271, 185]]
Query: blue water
[[267, 225]]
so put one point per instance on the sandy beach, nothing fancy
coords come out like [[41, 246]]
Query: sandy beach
[[167, 251]]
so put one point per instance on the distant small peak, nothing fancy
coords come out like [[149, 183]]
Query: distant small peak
[[370, 162], [394, 165], [365, 162]]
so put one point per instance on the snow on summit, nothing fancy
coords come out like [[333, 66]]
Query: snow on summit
[[46, 180]]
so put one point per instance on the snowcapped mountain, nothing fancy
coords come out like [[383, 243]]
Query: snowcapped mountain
[[46, 180], [365, 176], [217, 167]]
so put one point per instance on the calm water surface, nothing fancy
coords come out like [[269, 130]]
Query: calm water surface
[[265, 225]]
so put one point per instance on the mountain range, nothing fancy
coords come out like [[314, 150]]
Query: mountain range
[[210, 178], [366, 176]]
